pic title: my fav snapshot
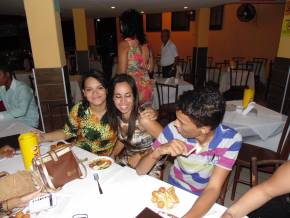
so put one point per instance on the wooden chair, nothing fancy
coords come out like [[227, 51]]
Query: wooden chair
[[213, 75], [209, 61], [255, 164], [238, 59], [248, 151], [167, 108], [222, 197], [223, 64], [239, 77], [269, 79]]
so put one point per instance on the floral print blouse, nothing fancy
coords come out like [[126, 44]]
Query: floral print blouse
[[92, 134]]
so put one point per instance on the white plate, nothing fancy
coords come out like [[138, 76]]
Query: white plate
[[101, 163]]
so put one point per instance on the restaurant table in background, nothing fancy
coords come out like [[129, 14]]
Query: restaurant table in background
[[75, 88], [262, 129], [125, 193], [13, 127], [182, 87], [225, 81]]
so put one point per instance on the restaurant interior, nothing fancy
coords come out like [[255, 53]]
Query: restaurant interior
[[233, 45]]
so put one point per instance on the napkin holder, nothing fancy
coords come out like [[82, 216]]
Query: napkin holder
[[249, 108]]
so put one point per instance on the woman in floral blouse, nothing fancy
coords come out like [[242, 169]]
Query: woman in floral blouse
[[88, 122], [134, 55]]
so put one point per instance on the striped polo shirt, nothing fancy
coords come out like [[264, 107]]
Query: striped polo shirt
[[193, 172]]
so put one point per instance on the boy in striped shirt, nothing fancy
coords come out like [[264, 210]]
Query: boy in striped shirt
[[205, 150]]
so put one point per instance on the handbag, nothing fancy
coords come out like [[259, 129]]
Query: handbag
[[58, 167], [18, 184]]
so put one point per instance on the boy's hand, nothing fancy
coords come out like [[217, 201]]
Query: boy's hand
[[173, 148], [149, 113]]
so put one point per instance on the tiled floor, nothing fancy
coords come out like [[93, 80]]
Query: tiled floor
[[241, 188]]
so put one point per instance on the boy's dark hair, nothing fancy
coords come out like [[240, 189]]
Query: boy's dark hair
[[132, 25], [205, 107]]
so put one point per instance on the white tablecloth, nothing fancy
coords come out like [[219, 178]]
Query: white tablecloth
[[13, 127], [225, 81], [182, 87], [266, 123], [125, 193], [75, 88]]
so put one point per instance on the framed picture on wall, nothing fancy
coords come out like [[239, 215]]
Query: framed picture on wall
[[180, 21], [154, 22], [216, 18]]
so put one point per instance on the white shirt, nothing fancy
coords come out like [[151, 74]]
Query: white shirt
[[168, 54]]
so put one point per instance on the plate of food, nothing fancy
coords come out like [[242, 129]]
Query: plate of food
[[165, 198], [101, 163]]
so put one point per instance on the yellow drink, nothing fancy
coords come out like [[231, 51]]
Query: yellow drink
[[28, 143], [248, 97]]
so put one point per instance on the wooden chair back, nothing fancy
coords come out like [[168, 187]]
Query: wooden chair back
[[164, 91], [213, 75], [255, 164], [239, 76]]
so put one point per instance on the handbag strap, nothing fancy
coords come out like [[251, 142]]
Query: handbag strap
[[81, 164], [46, 180]]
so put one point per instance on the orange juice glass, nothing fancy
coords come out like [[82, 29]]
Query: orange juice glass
[[29, 147]]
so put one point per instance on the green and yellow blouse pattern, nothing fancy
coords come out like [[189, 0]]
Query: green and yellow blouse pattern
[[92, 134]]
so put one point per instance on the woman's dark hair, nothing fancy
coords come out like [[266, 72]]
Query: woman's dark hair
[[205, 107], [132, 25], [98, 77], [114, 113]]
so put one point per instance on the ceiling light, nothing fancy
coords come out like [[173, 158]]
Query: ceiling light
[[98, 20], [113, 7], [185, 7], [142, 12]]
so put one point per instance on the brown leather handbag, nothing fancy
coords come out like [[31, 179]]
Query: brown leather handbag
[[58, 167]]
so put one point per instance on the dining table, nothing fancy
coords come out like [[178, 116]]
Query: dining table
[[261, 127], [225, 80], [182, 87], [125, 193]]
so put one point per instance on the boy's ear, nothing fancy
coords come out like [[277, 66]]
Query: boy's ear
[[205, 130]]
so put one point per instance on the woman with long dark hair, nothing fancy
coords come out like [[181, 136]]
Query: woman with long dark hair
[[134, 54], [135, 130], [88, 120]]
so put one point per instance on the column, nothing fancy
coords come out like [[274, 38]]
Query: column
[[199, 56], [81, 38], [278, 97], [52, 82]]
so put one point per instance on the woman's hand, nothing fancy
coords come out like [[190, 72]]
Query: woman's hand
[[7, 151], [40, 135]]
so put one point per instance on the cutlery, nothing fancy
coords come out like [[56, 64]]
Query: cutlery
[[96, 178]]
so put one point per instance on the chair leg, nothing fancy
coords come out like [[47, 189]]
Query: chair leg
[[235, 182]]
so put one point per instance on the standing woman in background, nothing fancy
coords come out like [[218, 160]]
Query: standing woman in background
[[134, 55]]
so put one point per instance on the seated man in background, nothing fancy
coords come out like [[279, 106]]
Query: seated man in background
[[18, 99], [198, 125]]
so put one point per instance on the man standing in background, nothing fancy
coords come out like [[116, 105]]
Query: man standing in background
[[168, 55]]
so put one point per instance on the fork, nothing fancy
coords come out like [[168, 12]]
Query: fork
[[96, 178]]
